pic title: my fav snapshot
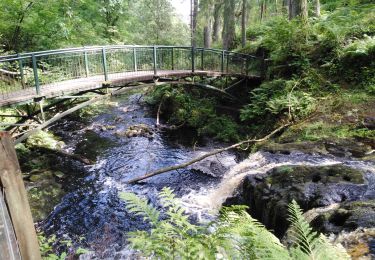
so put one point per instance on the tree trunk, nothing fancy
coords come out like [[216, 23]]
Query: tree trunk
[[317, 8], [263, 7], [194, 16], [217, 19], [298, 8], [229, 24], [243, 22], [207, 35], [304, 10]]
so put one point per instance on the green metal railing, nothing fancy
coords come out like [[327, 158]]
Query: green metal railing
[[33, 70]]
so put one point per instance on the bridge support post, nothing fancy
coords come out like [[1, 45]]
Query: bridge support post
[[86, 64], [155, 61], [12, 185], [105, 68], [135, 59], [192, 59], [36, 77]]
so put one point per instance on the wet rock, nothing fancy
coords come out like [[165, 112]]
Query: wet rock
[[347, 216], [43, 193], [347, 148], [288, 148], [215, 166], [268, 194], [338, 147], [142, 130], [360, 244], [369, 122]]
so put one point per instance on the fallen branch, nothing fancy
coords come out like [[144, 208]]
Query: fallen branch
[[197, 159]]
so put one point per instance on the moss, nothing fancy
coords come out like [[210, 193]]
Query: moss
[[285, 175], [44, 194]]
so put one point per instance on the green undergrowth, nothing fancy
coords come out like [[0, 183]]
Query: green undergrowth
[[193, 108], [320, 74]]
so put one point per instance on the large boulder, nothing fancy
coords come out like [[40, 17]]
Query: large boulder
[[268, 194]]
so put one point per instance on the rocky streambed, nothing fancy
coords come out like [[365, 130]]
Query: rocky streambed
[[122, 142]]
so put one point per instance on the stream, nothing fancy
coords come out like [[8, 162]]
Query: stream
[[91, 213]]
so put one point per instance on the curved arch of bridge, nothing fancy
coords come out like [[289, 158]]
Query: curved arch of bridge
[[35, 75]]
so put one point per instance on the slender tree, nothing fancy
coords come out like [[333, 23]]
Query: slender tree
[[217, 21], [229, 24], [243, 22], [317, 8], [194, 19]]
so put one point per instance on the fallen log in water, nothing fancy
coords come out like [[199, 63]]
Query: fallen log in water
[[197, 159]]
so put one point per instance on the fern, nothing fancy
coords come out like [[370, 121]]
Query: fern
[[306, 243], [235, 235], [140, 207]]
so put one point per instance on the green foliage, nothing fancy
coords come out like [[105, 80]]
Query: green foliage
[[234, 235], [192, 108], [41, 25], [306, 243], [46, 248], [279, 98], [44, 139]]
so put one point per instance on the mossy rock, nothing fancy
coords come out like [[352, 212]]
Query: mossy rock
[[268, 195], [142, 130], [44, 193], [348, 216]]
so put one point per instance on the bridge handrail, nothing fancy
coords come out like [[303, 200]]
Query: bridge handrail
[[53, 66], [18, 56]]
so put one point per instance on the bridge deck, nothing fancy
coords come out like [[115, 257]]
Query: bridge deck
[[90, 83]]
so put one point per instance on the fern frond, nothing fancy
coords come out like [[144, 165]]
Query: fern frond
[[140, 207], [246, 237], [301, 233], [308, 244]]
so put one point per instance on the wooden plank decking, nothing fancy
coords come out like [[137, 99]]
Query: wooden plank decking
[[90, 83]]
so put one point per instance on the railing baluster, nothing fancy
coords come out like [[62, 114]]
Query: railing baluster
[[172, 55], [155, 62], [20, 66], [86, 64], [36, 77], [222, 61], [135, 59], [202, 59], [105, 69], [192, 59]]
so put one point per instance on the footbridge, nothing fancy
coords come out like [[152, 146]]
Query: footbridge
[[32, 76]]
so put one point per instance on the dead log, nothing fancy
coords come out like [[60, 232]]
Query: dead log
[[197, 159]]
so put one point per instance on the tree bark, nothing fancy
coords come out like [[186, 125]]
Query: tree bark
[[207, 35], [298, 8], [184, 165], [317, 8], [194, 18], [243, 22], [217, 20], [229, 24]]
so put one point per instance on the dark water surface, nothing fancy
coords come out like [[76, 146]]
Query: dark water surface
[[91, 214]]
